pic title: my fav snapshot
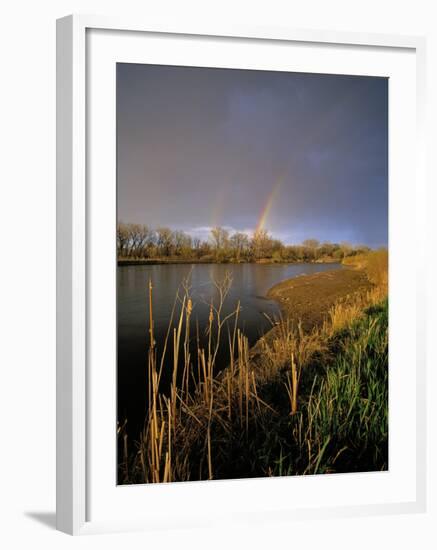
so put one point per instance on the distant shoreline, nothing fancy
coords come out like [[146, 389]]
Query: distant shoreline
[[176, 261]]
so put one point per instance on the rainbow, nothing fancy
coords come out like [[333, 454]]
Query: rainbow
[[268, 205], [218, 209]]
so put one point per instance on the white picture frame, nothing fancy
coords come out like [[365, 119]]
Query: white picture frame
[[74, 464]]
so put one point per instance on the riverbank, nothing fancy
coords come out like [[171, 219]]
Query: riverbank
[[309, 298], [175, 261]]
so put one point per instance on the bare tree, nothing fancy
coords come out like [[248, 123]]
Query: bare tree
[[134, 240], [239, 243], [134, 236], [122, 239], [182, 243], [262, 244], [346, 248], [196, 245], [220, 239], [312, 245], [146, 242], [164, 241]]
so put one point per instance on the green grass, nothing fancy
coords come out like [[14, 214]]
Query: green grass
[[343, 423]]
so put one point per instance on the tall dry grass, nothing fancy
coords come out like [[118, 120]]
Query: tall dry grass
[[374, 263]]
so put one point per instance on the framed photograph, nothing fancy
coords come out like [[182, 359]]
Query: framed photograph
[[239, 335]]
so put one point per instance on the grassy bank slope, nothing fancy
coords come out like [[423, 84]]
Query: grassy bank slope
[[341, 423]]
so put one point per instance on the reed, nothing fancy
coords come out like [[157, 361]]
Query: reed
[[292, 384]]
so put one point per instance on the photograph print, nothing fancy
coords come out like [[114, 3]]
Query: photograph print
[[252, 274]]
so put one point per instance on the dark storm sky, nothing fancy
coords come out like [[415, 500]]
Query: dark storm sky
[[202, 147]]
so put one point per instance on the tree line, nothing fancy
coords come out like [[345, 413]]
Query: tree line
[[137, 241]]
